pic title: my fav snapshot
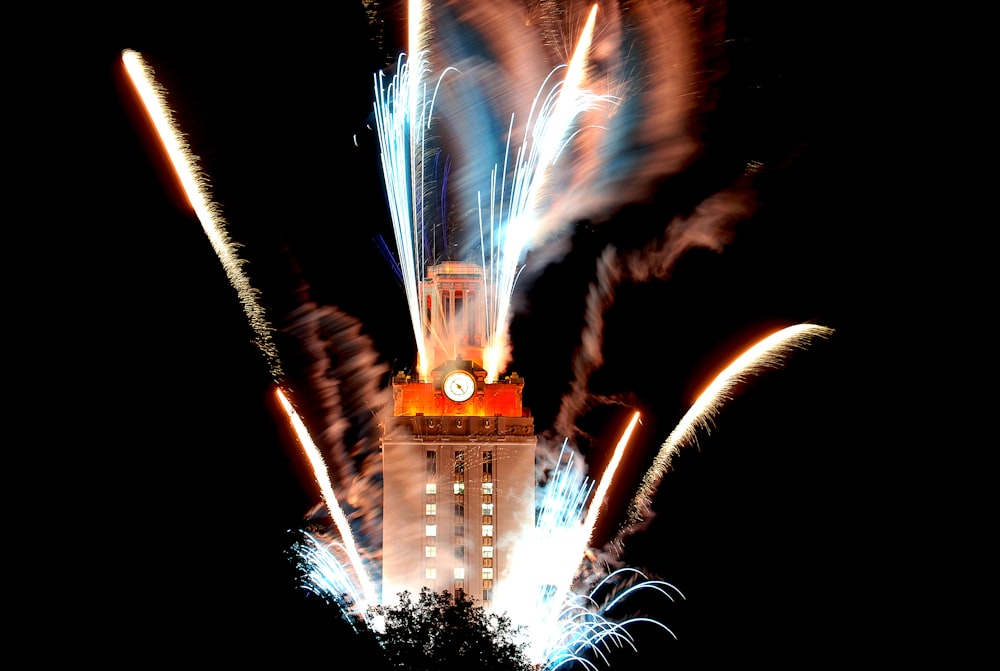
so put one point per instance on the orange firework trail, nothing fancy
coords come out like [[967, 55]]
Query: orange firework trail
[[330, 499], [767, 353], [195, 187], [195, 190], [609, 474]]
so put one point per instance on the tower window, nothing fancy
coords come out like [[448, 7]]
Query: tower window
[[430, 551], [487, 488], [430, 573], [431, 462], [431, 508], [487, 530], [430, 530], [431, 488]]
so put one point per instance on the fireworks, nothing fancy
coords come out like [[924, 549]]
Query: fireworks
[[195, 187], [364, 595], [404, 113], [769, 352], [521, 204]]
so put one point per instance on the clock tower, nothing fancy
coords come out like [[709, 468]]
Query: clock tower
[[458, 456]]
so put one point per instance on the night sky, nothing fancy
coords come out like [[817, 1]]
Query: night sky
[[779, 527]]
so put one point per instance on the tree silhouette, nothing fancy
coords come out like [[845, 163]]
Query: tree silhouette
[[441, 632]]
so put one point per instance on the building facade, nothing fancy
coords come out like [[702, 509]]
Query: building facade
[[458, 457]]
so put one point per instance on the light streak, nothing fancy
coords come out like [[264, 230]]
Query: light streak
[[195, 187], [323, 565], [545, 562], [398, 127], [337, 580], [549, 129], [403, 115], [587, 629], [564, 527], [318, 465], [609, 474], [767, 353], [566, 627]]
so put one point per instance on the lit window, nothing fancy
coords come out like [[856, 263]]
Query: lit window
[[430, 573], [460, 488], [487, 551], [431, 488], [487, 509], [431, 509], [487, 488], [431, 530], [460, 573], [488, 530], [430, 551], [487, 574]]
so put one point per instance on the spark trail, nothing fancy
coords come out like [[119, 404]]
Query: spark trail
[[367, 588], [535, 158], [609, 473], [768, 353], [404, 109], [195, 187], [567, 626]]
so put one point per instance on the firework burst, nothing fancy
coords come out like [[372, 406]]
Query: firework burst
[[529, 197]]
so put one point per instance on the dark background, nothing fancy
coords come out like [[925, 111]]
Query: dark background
[[177, 488]]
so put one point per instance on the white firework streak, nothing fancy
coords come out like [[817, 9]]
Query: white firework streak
[[587, 631], [566, 627], [549, 133], [403, 115]]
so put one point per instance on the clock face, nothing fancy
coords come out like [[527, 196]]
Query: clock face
[[459, 385]]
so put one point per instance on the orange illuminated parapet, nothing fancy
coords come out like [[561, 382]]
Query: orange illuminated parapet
[[489, 399]]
